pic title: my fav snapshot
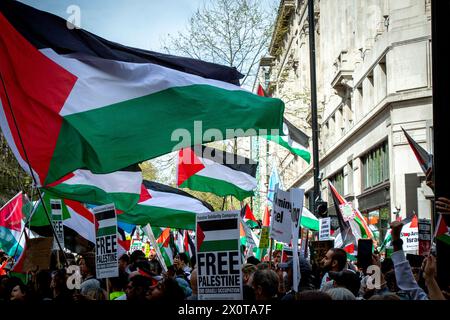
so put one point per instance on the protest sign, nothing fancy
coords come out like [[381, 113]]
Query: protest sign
[[296, 204], [410, 237], [106, 260], [264, 238], [424, 236], [324, 228], [281, 217], [37, 254], [57, 222], [218, 256]]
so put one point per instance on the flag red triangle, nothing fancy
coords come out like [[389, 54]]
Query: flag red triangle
[[350, 248], [261, 91], [11, 213], [414, 222], [188, 165], [145, 195], [249, 214], [200, 237], [266, 220]]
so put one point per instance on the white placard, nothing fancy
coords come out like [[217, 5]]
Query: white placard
[[106, 260], [324, 228], [57, 222], [218, 256]]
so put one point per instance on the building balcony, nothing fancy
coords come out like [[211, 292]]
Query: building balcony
[[343, 79]]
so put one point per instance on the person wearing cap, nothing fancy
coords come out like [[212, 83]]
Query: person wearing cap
[[346, 278], [334, 260], [305, 274]]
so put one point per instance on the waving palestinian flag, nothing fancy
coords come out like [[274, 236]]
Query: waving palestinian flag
[[248, 217], [81, 101], [211, 170], [292, 138], [123, 188], [164, 206]]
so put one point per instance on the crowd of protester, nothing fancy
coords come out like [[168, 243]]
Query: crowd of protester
[[141, 279]]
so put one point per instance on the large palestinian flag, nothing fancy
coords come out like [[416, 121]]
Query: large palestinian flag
[[211, 170], [81, 101], [164, 206], [123, 187]]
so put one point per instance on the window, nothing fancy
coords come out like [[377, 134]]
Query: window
[[338, 182], [376, 166]]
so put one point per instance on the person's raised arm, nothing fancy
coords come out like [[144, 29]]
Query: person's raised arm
[[429, 273]]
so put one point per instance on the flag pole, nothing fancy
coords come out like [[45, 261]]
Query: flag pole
[[30, 168], [223, 203]]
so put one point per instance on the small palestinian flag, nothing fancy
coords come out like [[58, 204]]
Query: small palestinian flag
[[218, 235], [81, 101], [293, 139], [423, 157], [248, 217], [308, 220], [211, 170], [123, 188], [164, 206]]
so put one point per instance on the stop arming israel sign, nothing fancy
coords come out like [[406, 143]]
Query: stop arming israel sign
[[218, 256], [106, 260], [282, 215]]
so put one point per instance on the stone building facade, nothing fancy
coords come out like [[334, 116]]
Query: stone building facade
[[373, 62]]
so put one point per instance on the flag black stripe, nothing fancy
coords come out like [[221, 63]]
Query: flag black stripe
[[159, 187], [110, 214], [219, 224], [45, 30], [227, 159], [296, 134]]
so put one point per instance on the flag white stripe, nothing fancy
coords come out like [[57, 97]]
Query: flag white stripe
[[217, 171], [221, 235], [174, 201], [106, 223], [102, 82], [115, 182]]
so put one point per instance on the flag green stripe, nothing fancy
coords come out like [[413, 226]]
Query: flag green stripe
[[216, 186], [219, 245], [95, 195], [110, 138], [106, 231], [303, 153], [309, 223], [159, 217]]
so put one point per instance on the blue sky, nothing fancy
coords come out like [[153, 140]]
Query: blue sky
[[136, 23]]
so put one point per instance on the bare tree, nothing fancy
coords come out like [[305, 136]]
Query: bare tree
[[230, 32]]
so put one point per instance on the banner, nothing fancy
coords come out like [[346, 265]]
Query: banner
[[106, 260], [324, 228], [57, 222], [264, 238], [281, 217], [218, 256], [424, 236]]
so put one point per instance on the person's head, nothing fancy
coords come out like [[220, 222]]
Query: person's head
[[124, 260], [137, 255], [155, 266], [58, 281], [137, 288], [265, 284], [17, 290], [389, 296], [87, 264], [346, 279], [180, 260], [313, 295], [247, 272], [152, 254], [276, 256], [96, 294], [341, 293], [334, 260], [193, 282], [253, 260], [166, 289]]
